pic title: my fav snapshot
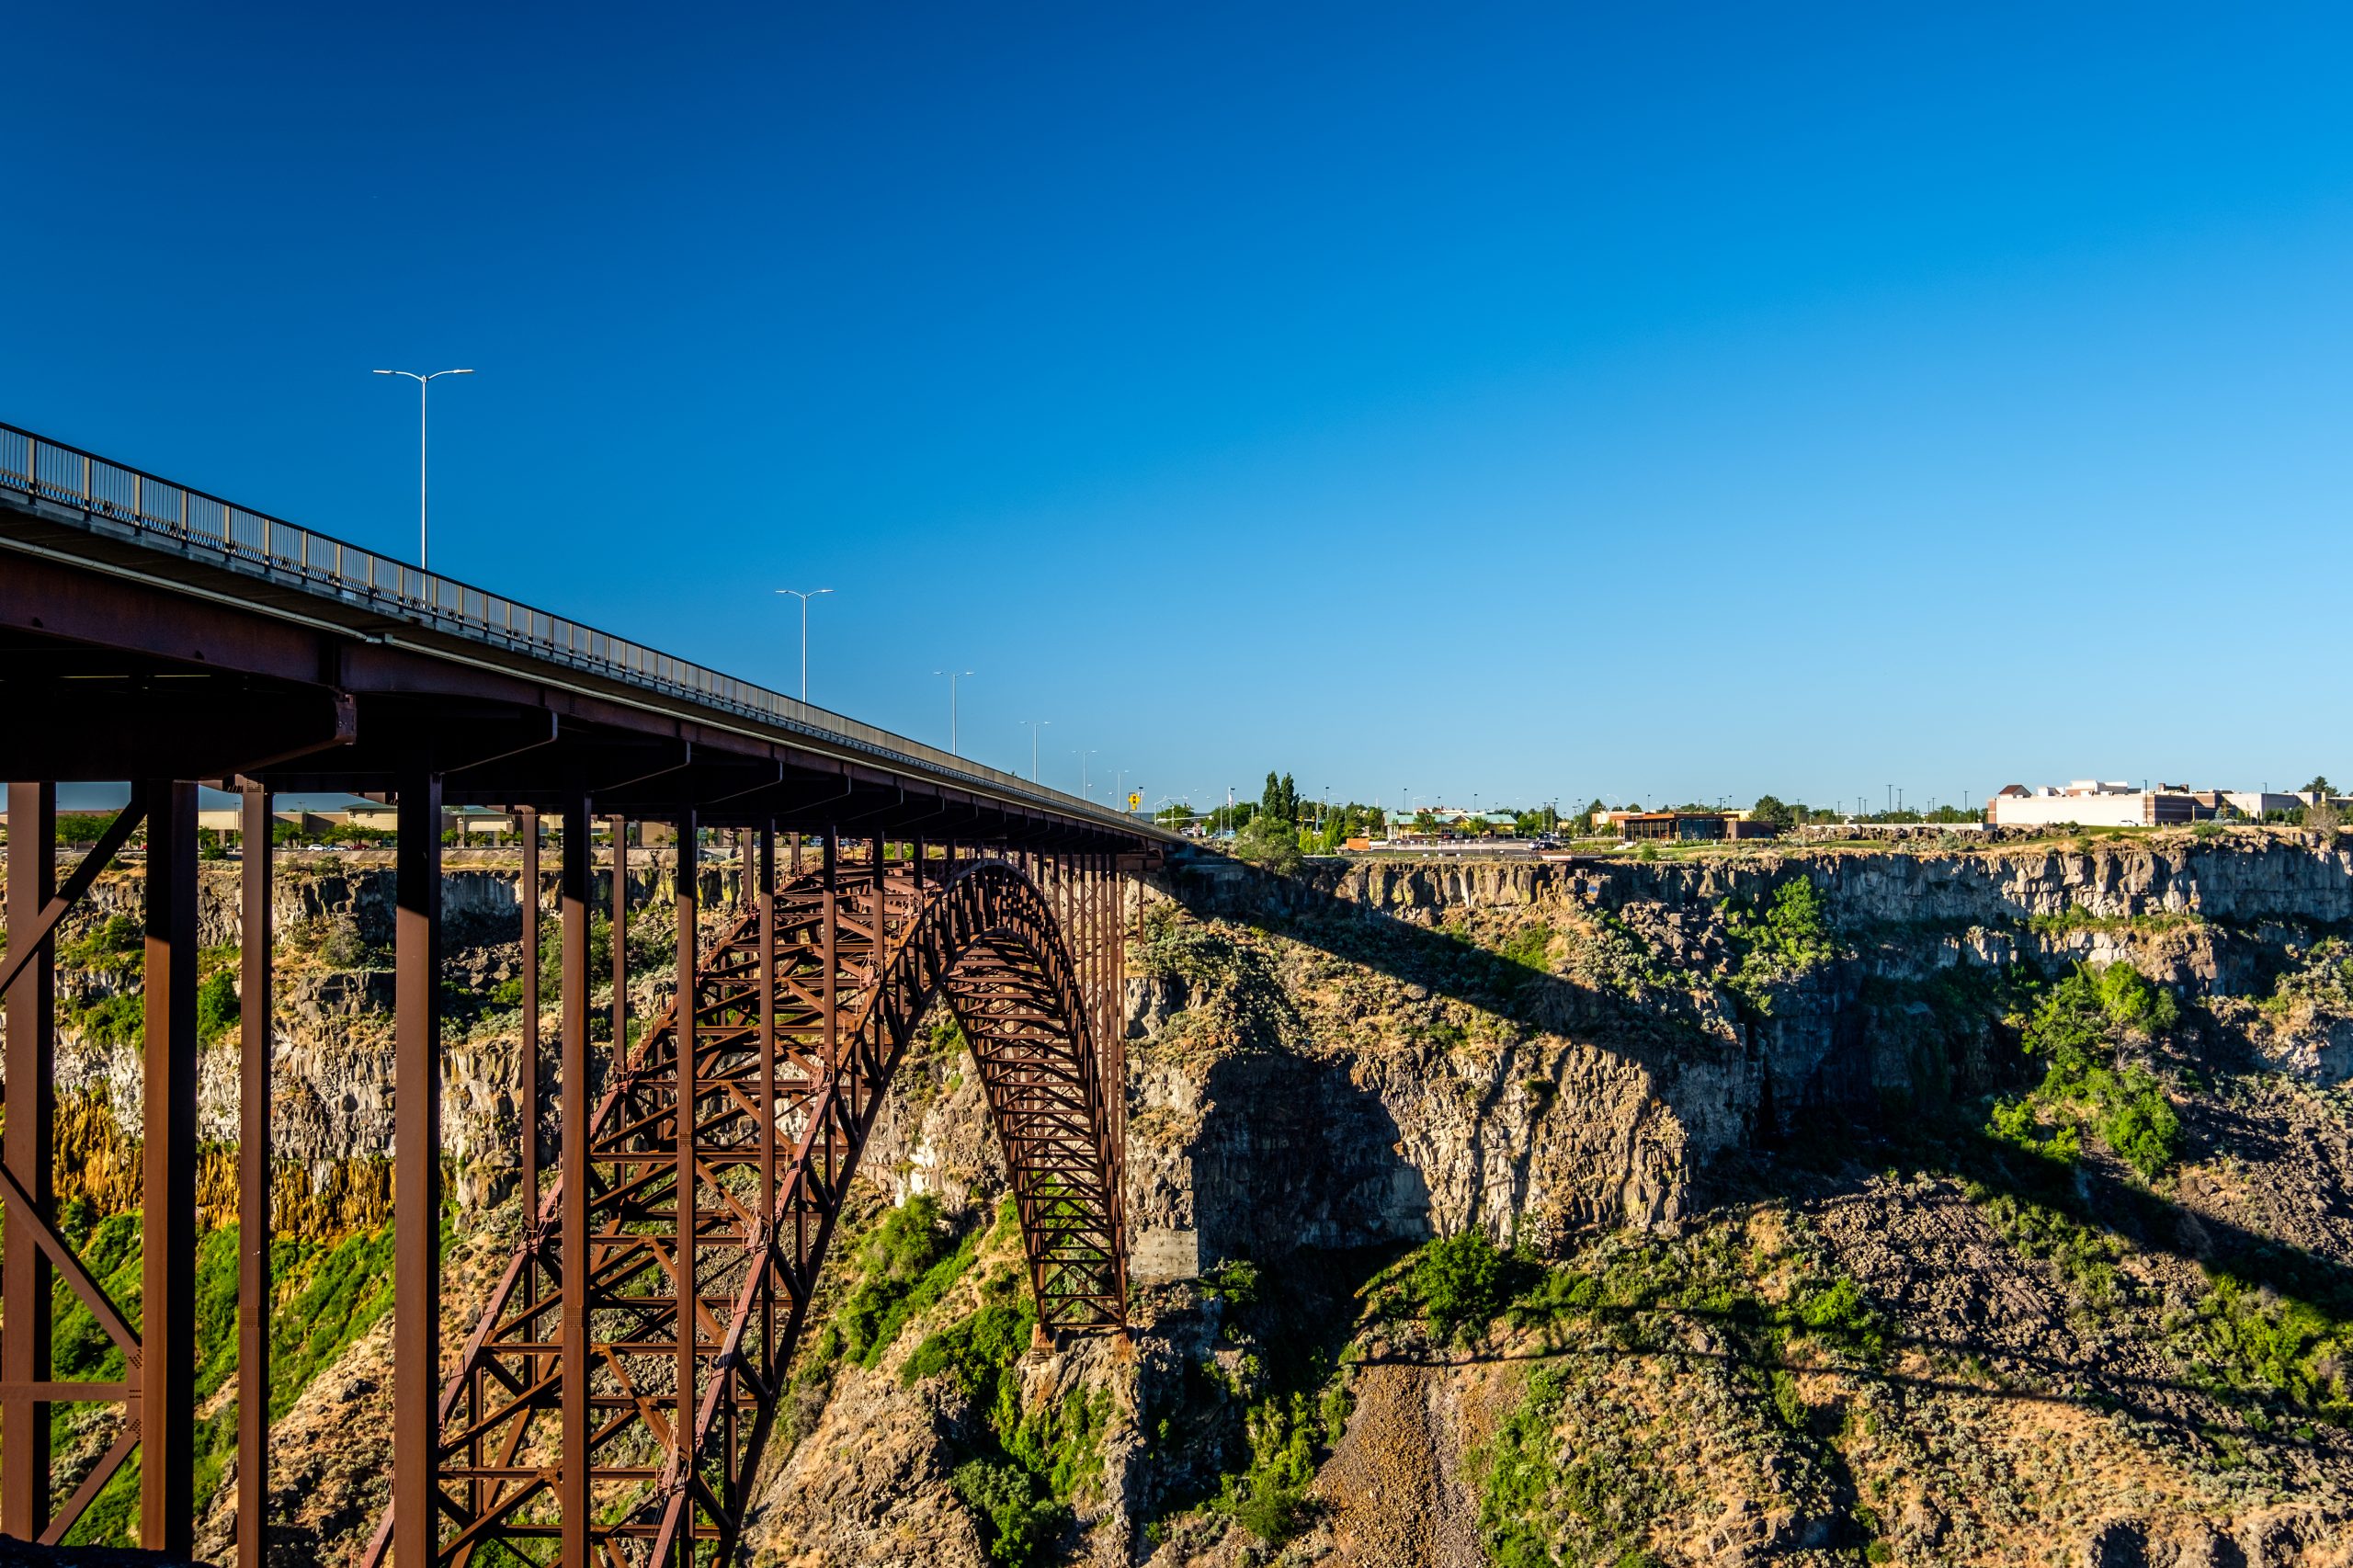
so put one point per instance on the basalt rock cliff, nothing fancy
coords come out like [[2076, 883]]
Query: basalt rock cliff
[[1671, 1212]]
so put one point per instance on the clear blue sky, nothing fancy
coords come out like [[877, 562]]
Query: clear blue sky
[[1642, 402]]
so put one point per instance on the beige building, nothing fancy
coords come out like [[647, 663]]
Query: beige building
[[2091, 802]]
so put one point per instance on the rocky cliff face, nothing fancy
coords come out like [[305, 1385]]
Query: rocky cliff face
[[1648, 1077], [1605, 1067]]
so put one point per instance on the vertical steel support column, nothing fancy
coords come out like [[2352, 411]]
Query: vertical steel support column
[[256, 846], [168, 1227], [1102, 963], [683, 1422], [24, 1272], [572, 1172], [621, 939], [528, 1074], [767, 1209], [416, 1167]]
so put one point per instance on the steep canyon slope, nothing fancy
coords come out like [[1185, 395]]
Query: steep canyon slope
[[1710, 1210]]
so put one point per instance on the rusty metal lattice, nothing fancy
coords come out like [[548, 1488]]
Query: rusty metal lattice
[[837, 968], [155, 633]]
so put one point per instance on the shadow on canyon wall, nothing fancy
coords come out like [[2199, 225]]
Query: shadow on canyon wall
[[1279, 1190]]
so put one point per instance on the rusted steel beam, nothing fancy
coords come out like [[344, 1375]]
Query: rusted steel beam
[[206, 727], [527, 1075], [417, 1109], [768, 1090], [573, 1501], [31, 937], [257, 848], [682, 1270], [684, 1199], [167, 1201], [620, 935], [24, 1271]]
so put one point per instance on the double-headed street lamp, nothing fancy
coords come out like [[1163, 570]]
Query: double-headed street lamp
[[804, 597], [1035, 725], [953, 676], [422, 381]]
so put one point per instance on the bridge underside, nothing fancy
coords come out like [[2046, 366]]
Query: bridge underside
[[682, 1175]]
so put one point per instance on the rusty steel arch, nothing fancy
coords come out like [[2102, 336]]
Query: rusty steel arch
[[806, 1006]]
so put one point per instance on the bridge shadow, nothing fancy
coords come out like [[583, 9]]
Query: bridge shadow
[[2290, 1298]]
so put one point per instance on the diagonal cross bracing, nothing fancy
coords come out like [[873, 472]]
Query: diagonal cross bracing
[[841, 1004]]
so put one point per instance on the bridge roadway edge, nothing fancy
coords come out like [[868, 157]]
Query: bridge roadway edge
[[128, 652]]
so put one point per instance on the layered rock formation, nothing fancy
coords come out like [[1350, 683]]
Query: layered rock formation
[[1592, 1064]]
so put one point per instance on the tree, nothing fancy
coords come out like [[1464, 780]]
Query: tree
[[1280, 798], [1771, 809], [2320, 786], [1267, 840]]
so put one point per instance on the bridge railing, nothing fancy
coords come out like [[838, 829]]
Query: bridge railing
[[190, 522]]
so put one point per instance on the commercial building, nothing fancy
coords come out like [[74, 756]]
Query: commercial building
[[1689, 826], [2094, 803]]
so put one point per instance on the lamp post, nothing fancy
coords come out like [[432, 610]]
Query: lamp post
[[953, 676], [805, 598], [1084, 788], [1035, 725], [422, 381]]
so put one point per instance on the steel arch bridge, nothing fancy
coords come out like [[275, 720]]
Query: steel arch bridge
[[806, 1006], [681, 1180]]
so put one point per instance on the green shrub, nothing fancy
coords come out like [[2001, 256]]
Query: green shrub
[[2077, 1028], [2139, 1123], [1530, 948], [115, 942], [1791, 940], [2133, 1003], [111, 1023], [1462, 1283], [1021, 1523], [216, 1005], [907, 1267]]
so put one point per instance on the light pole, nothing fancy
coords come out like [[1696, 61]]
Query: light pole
[[1084, 788], [805, 598], [1035, 725], [953, 676], [421, 384]]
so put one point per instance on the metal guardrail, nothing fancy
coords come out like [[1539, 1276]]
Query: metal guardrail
[[190, 522]]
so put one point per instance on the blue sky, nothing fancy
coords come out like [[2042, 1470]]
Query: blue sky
[[1642, 401]]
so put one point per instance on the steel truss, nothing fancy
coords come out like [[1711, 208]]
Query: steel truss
[[800, 1014], [159, 634]]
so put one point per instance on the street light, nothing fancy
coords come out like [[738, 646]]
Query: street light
[[1083, 786], [805, 598], [421, 382], [953, 676], [1035, 725]]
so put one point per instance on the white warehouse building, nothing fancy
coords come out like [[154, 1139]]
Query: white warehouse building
[[2091, 802]]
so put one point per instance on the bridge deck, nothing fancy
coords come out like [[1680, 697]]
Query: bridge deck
[[142, 619]]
